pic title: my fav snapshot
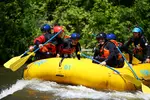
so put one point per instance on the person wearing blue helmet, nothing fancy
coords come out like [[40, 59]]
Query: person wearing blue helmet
[[137, 45], [111, 37], [46, 28], [47, 50], [106, 51], [71, 45]]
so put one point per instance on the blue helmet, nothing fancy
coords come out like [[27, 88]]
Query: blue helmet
[[46, 28], [111, 36], [137, 30], [101, 35], [75, 36]]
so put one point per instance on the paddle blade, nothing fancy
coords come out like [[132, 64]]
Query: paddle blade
[[132, 80], [145, 89], [20, 62], [11, 61]]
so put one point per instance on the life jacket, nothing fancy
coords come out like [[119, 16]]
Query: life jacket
[[105, 53], [66, 36], [138, 50], [41, 39], [68, 51], [49, 47], [117, 44]]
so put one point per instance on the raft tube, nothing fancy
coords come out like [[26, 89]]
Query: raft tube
[[84, 72]]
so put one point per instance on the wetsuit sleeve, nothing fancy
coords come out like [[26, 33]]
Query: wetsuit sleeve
[[125, 49], [96, 55], [78, 49], [148, 52], [129, 42], [143, 42], [111, 47]]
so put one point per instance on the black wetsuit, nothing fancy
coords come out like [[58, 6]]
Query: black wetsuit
[[142, 42]]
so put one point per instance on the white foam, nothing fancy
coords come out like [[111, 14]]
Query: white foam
[[71, 92], [19, 85], [74, 92]]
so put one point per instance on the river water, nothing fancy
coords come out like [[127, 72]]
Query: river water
[[14, 87]]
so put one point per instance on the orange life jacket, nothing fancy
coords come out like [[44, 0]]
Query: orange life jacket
[[105, 53], [66, 36], [49, 47], [117, 44]]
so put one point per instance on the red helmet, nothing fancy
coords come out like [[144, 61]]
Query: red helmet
[[57, 29]]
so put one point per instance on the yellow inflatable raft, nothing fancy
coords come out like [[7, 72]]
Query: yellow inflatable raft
[[84, 72]]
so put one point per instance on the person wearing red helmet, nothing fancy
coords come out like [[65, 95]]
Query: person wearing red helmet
[[58, 39]]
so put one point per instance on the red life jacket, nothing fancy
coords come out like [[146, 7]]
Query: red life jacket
[[49, 47], [68, 51], [41, 39]]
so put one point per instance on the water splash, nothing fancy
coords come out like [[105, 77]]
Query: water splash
[[80, 92], [19, 85], [71, 92]]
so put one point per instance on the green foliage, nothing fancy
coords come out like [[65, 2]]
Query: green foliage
[[21, 19]]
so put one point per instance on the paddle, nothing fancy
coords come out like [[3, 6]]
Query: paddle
[[131, 79], [15, 59], [99, 62], [137, 83], [128, 65], [16, 65]]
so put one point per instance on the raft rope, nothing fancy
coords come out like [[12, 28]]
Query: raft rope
[[100, 63], [135, 75]]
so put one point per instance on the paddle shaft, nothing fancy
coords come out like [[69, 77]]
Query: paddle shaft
[[27, 51], [48, 40], [129, 65], [100, 63], [22, 60]]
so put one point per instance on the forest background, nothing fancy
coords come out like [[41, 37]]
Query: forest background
[[20, 20]]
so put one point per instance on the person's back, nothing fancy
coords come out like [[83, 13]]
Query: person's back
[[113, 38]]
